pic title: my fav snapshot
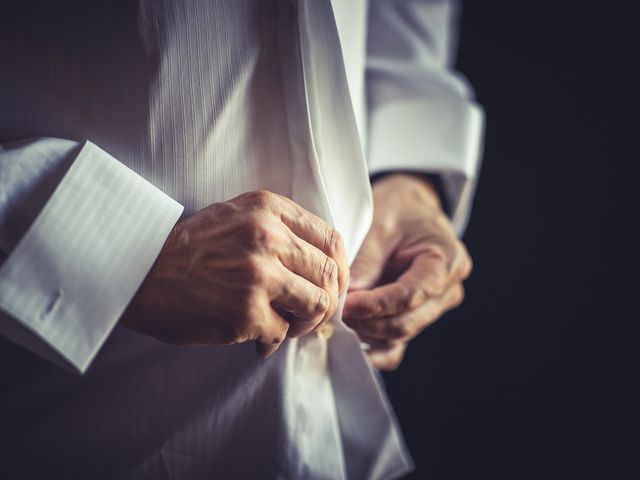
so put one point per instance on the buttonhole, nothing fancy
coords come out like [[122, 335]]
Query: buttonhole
[[51, 304]]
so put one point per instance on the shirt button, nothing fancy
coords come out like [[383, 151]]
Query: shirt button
[[325, 331]]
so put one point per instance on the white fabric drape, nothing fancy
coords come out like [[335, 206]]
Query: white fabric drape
[[129, 113]]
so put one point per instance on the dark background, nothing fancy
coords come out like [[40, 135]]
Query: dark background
[[533, 376]]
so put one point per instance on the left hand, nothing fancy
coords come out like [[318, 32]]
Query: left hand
[[409, 270]]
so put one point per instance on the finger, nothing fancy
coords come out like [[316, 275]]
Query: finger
[[408, 325], [272, 333], [370, 261], [388, 359], [309, 303], [426, 278], [311, 263], [317, 232], [462, 264], [371, 343]]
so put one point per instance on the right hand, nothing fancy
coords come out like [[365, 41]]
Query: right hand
[[258, 267]]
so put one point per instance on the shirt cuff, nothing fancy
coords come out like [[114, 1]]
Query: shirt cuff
[[432, 136], [71, 276]]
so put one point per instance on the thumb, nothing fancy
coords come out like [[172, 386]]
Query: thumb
[[369, 263]]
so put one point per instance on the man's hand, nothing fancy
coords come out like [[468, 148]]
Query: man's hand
[[409, 270], [258, 267]]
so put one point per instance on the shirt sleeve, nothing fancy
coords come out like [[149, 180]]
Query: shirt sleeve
[[79, 232], [421, 113]]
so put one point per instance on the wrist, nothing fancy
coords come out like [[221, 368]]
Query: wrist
[[420, 186]]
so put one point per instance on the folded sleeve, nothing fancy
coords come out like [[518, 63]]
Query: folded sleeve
[[79, 232], [421, 113]]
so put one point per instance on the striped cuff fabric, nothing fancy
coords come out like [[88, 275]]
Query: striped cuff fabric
[[72, 274]]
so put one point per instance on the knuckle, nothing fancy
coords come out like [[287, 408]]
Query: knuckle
[[398, 328], [323, 302], [333, 242], [261, 198], [329, 273]]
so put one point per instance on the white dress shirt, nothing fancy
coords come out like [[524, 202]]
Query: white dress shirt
[[118, 117]]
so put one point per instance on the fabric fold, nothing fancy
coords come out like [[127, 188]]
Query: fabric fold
[[371, 440]]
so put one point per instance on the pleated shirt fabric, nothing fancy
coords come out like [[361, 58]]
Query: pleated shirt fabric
[[117, 119], [204, 101]]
